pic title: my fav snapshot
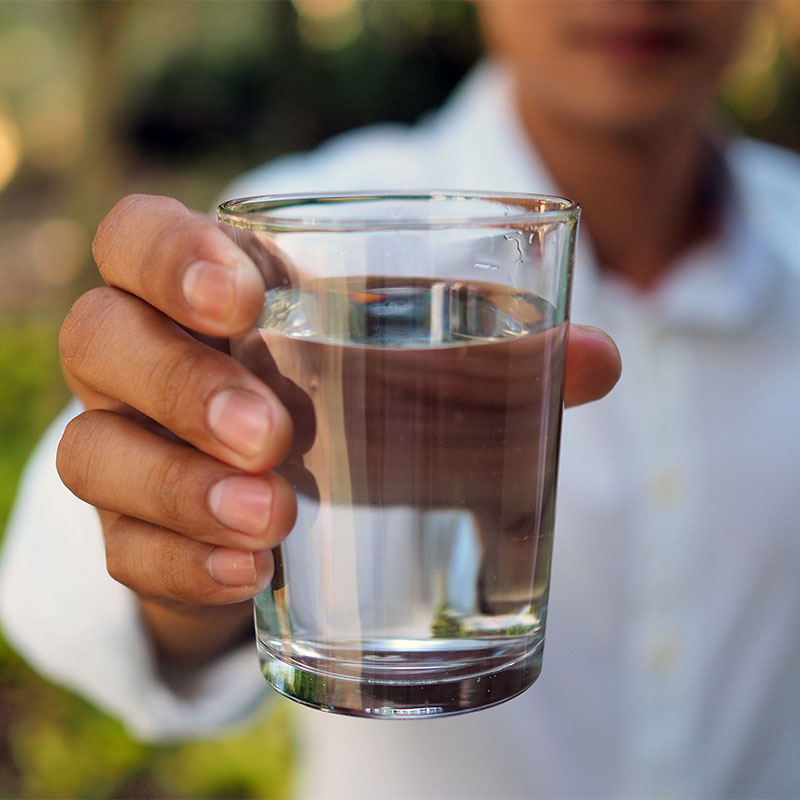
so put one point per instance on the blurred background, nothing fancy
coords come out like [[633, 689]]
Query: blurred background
[[99, 99]]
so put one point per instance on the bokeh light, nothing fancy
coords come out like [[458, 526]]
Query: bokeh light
[[329, 24], [27, 54], [58, 249], [10, 150], [52, 121], [750, 84]]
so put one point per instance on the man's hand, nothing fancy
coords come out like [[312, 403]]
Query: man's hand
[[192, 525], [177, 441]]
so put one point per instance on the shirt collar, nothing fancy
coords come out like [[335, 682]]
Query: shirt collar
[[724, 284]]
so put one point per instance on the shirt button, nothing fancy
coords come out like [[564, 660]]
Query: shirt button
[[664, 653], [668, 487]]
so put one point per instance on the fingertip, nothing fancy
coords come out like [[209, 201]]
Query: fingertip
[[251, 424], [283, 433], [265, 569], [180, 262], [225, 297], [598, 339], [240, 568], [249, 288], [284, 508], [594, 365]]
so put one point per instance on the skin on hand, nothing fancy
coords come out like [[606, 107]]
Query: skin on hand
[[184, 527], [593, 365], [178, 440]]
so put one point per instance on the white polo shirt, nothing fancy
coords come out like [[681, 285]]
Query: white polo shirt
[[672, 658]]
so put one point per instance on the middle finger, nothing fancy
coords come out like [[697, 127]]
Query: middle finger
[[113, 463], [120, 346]]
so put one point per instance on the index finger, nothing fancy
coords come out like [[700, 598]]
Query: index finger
[[180, 262]]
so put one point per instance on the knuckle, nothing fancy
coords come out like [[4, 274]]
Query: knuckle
[[75, 457], [175, 565], [161, 564], [174, 382], [151, 561], [120, 230], [109, 228], [84, 320], [167, 486]]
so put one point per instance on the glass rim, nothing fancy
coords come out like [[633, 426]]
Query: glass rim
[[256, 212]]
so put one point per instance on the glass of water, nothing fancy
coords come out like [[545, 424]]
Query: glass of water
[[418, 341]]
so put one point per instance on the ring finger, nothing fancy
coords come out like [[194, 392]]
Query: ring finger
[[113, 463]]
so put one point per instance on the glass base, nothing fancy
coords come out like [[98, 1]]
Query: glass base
[[402, 679]]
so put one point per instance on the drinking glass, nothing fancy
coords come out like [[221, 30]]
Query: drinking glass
[[418, 342]]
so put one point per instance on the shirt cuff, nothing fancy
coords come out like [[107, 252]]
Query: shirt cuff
[[79, 628]]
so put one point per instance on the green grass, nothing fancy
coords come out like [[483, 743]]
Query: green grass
[[32, 391], [54, 744]]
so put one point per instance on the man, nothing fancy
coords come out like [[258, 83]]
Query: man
[[673, 645]]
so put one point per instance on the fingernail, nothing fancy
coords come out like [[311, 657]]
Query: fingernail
[[232, 567], [240, 420], [592, 330], [210, 289], [242, 503]]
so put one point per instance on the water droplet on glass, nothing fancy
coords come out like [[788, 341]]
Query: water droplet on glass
[[515, 237]]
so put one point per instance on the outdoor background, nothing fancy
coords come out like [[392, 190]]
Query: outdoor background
[[99, 99]]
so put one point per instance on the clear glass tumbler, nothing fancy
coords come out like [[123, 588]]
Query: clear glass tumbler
[[418, 342]]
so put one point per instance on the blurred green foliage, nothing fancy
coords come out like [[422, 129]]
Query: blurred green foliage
[[55, 745], [31, 392], [300, 82]]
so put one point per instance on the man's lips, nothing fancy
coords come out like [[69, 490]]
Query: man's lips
[[634, 44]]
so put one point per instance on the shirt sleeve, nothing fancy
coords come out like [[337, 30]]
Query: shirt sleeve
[[79, 628]]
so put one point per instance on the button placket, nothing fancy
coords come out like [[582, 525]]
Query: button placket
[[660, 688]]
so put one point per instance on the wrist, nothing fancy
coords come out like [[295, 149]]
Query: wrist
[[189, 636]]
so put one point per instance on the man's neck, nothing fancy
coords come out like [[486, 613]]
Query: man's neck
[[646, 197]]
